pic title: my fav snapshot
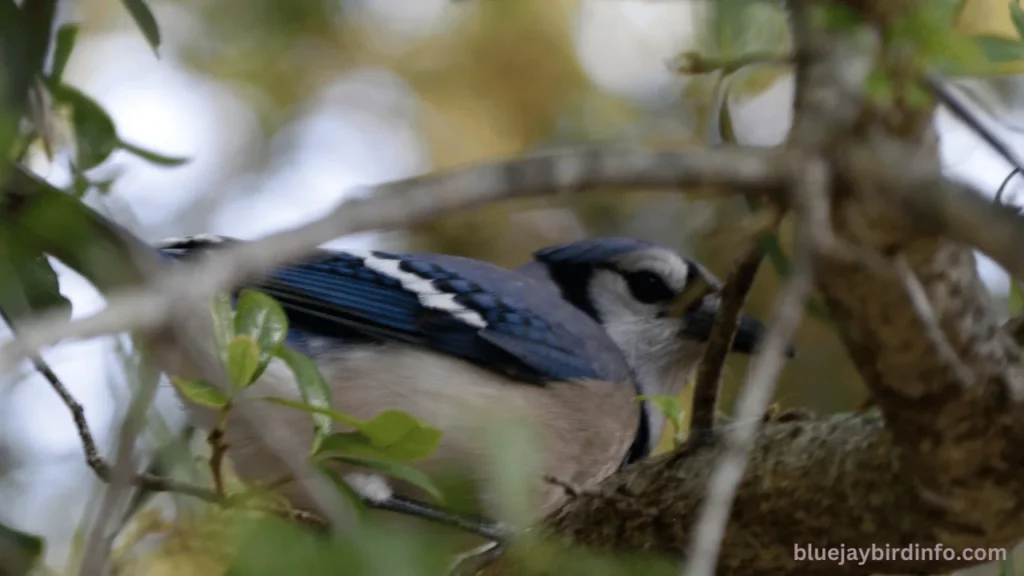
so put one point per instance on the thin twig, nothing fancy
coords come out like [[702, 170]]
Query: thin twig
[[723, 332], [933, 331], [936, 85], [764, 370], [218, 448], [100, 539], [399, 204], [696, 63]]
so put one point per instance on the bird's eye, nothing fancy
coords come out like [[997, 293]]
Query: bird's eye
[[648, 287]]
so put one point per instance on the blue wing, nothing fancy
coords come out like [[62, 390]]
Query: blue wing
[[466, 308]]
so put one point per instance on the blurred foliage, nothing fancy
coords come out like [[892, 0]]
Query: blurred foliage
[[502, 79]]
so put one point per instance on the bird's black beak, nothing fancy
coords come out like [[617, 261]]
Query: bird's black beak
[[699, 320]]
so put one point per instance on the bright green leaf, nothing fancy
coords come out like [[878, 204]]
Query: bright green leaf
[[1017, 16], [243, 361], [19, 552], [154, 157], [393, 469], [95, 133], [66, 36], [199, 392], [389, 427], [332, 414], [667, 405], [1000, 50], [261, 318], [144, 19], [312, 387], [419, 443]]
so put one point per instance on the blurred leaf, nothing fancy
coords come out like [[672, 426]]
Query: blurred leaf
[[998, 49], [331, 414], [342, 486], [389, 427], [19, 551], [393, 469], [154, 157], [262, 319], [671, 408], [839, 18], [223, 324], [1016, 298], [66, 36], [1006, 565], [29, 284], [417, 443], [144, 19], [1017, 16], [312, 387], [95, 133], [243, 361], [199, 392]]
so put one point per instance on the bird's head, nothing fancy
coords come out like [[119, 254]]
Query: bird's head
[[656, 305]]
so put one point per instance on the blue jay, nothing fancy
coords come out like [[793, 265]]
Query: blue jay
[[563, 344]]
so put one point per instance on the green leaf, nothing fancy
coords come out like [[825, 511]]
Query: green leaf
[[418, 443], [95, 133], [144, 19], [667, 405], [243, 361], [223, 324], [66, 36], [998, 49], [312, 387], [393, 469], [199, 392], [19, 551], [332, 414], [389, 427], [261, 318], [839, 18], [154, 157], [29, 284], [1016, 298], [1017, 16]]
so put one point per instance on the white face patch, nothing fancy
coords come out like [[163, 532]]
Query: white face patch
[[424, 289]]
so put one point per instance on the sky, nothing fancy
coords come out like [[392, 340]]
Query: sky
[[359, 130]]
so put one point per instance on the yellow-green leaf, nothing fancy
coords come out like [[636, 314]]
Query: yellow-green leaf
[[389, 427], [243, 361], [1016, 298], [262, 319], [199, 392], [332, 414], [418, 443]]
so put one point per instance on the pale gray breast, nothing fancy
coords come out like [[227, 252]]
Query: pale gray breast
[[581, 429]]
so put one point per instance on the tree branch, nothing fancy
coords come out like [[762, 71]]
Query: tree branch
[[399, 204]]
